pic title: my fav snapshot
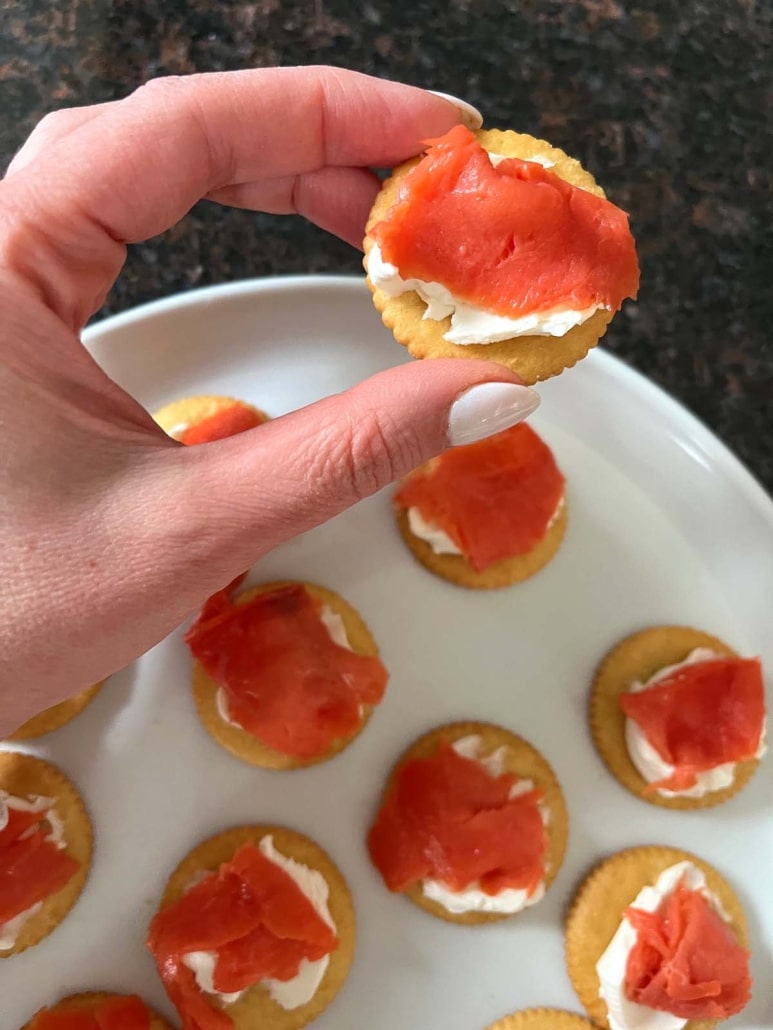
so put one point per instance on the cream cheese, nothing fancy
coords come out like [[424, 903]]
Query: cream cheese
[[472, 898], [335, 626], [622, 1013], [299, 990], [441, 542], [10, 930], [648, 762], [471, 324]]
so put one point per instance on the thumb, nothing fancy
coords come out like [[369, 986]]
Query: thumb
[[259, 489]]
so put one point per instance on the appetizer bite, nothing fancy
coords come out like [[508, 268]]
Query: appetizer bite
[[255, 929], [98, 1011], [285, 674], [678, 717], [497, 245], [472, 825], [655, 933], [45, 850], [542, 1019], [205, 419], [488, 514]]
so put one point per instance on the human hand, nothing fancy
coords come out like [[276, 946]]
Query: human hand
[[111, 532]]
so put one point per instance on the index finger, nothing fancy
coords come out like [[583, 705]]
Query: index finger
[[136, 169]]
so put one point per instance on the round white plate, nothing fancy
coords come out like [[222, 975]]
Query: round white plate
[[665, 526]]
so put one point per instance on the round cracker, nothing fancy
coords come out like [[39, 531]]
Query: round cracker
[[256, 1010], [639, 657], [542, 1019], [57, 716], [505, 573], [89, 1000], [598, 907], [525, 762], [243, 744], [533, 358], [23, 775], [190, 410]]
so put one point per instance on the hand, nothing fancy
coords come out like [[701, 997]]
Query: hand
[[112, 533]]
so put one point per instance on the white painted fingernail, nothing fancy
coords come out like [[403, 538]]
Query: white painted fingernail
[[489, 408], [471, 116]]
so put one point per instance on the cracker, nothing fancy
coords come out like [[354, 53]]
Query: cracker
[[520, 758], [456, 569], [57, 716], [639, 657], [598, 907], [533, 358], [243, 744], [190, 410], [542, 1019], [256, 1010], [23, 775], [89, 1000]]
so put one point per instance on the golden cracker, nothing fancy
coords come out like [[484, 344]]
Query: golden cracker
[[599, 905], [22, 775], [256, 1010], [190, 410], [521, 759], [505, 573], [533, 358], [57, 716], [89, 1000], [639, 657], [542, 1019], [243, 744]]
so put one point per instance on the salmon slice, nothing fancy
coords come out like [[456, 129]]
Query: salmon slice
[[231, 421], [18, 822], [256, 919], [285, 681], [513, 240], [31, 869], [119, 1013], [494, 499], [448, 819], [686, 960], [701, 716]]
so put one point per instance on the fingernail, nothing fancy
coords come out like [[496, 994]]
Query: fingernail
[[489, 408], [471, 116]]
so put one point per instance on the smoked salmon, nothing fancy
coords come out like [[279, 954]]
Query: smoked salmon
[[230, 421], [494, 499], [514, 239], [116, 1013], [686, 959], [701, 716], [284, 679], [447, 818], [32, 868], [255, 919]]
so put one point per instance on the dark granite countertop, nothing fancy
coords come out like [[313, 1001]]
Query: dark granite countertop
[[669, 103]]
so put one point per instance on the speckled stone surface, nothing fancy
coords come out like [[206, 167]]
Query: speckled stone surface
[[669, 103]]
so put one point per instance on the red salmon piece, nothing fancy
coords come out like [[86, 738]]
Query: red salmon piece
[[494, 498], [286, 682], [256, 919], [448, 819], [53, 1020], [237, 418], [701, 716], [124, 1013], [31, 867], [513, 240], [686, 960]]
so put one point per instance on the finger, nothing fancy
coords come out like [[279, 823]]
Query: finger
[[135, 171], [335, 199], [54, 127], [261, 488]]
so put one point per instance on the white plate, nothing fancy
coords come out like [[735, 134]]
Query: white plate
[[665, 526]]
